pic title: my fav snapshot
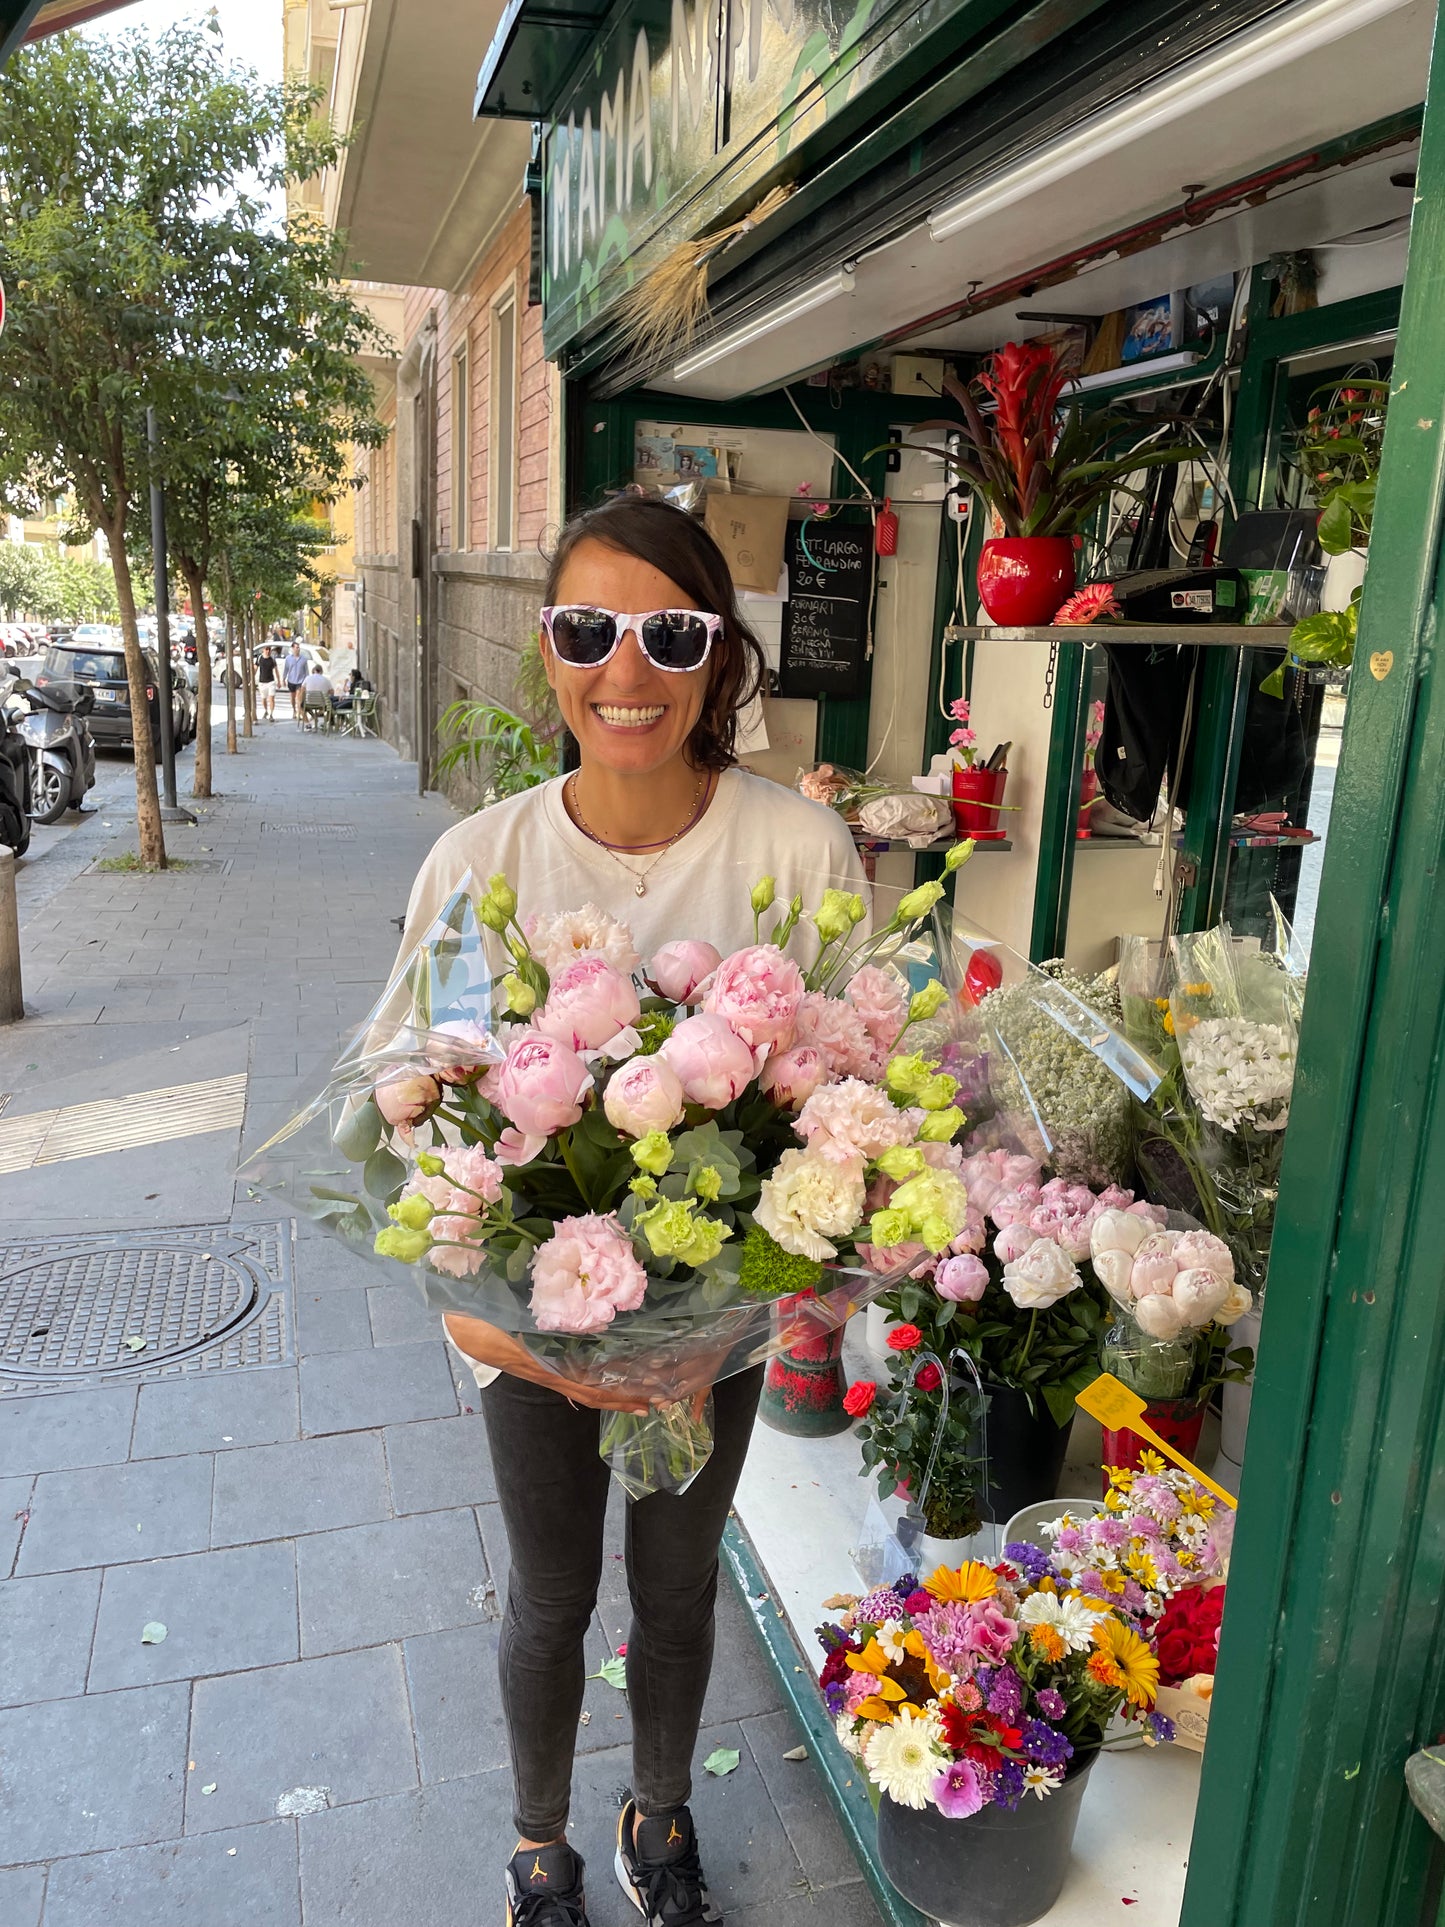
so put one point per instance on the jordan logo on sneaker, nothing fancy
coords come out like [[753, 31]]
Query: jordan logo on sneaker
[[537, 1872], [673, 1834]]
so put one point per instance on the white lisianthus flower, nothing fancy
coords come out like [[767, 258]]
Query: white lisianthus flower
[[1043, 1276], [1070, 1618], [904, 1757], [809, 1200]]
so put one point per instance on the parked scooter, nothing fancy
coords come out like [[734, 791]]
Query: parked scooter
[[14, 777], [62, 751]]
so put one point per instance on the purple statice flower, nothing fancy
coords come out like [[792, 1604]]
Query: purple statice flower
[[1160, 1727], [835, 1697], [876, 1606], [1032, 1561], [960, 1790], [1006, 1696], [1008, 1786], [1046, 1745], [1052, 1703]]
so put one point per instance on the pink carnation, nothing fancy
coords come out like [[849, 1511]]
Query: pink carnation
[[757, 992], [584, 1275], [835, 1029], [854, 1119], [588, 1004], [881, 1002]]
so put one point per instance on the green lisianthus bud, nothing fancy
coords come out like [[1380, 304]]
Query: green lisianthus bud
[[501, 893], [940, 1127], [935, 1093], [521, 998], [857, 908], [491, 914], [430, 1165], [517, 948], [414, 1212], [765, 891], [918, 902], [396, 1241], [833, 918], [643, 1186], [906, 1074], [958, 856], [901, 1161], [706, 1184], [927, 1002], [653, 1152]]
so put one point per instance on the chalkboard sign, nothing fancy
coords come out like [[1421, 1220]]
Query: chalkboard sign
[[825, 621]]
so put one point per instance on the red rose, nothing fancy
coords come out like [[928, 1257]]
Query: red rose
[[904, 1338], [1176, 1652], [858, 1399], [929, 1379]]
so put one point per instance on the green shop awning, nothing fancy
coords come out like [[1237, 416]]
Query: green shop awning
[[533, 51]]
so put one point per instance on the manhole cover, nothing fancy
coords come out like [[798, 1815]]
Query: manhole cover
[[308, 829], [137, 1303]]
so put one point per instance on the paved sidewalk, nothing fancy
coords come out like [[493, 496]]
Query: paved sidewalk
[[305, 1504]]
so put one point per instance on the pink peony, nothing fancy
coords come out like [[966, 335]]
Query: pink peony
[[1007, 1168], [836, 1030], [679, 970], [459, 1050], [881, 1001], [974, 1235], [711, 1060], [539, 1085], [1014, 1207], [1202, 1250], [791, 1077], [1013, 1241], [584, 1275], [1155, 1266], [588, 1004], [962, 1279], [757, 992], [644, 1095], [407, 1098], [854, 1119]]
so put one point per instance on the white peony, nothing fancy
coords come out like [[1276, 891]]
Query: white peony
[[809, 1200], [1199, 1294], [1117, 1231], [1159, 1315], [562, 938], [1043, 1276], [1114, 1269]]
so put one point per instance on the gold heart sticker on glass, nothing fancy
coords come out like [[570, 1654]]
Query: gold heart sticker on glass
[[1382, 661]]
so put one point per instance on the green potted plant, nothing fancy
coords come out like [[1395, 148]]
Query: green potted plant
[[920, 1444], [1040, 471]]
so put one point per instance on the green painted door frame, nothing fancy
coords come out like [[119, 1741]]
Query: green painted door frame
[[1333, 1656]]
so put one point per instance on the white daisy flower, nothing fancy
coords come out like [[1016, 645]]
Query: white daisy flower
[[890, 1637], [1039, 1780], [904, 1757], [1071, 1619]]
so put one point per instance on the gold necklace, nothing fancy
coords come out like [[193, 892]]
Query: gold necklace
[[639, 877]]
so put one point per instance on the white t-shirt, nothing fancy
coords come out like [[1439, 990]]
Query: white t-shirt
[[700, 887]]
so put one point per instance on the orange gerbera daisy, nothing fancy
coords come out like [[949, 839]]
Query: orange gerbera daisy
[[1103, 1669], [1136, 1666], [969, 1582]]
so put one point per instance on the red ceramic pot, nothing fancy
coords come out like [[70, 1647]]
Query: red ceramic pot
[[1024, 580], [1179, 1420], [1088, 790], [977, 794]]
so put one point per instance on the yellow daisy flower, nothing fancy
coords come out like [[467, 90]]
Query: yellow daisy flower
[[1138, 1668], [971, 1581], [1150, 1462]]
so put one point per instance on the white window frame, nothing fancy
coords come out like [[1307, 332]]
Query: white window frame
[[502, 412]]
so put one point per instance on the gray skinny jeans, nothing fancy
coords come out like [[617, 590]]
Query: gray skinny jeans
[[553, 1489]]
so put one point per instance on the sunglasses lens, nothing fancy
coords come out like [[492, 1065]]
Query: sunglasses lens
[[582, 636], [675, 639]]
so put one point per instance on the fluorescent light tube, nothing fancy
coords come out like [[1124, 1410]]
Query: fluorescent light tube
[[1247, 57], [1133, 371], [750, 332]]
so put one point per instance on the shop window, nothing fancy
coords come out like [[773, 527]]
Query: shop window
[[503, 422], [461, 448]]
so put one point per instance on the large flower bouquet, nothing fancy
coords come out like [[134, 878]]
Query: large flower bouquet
[[1177, 1296], [628, 1170], [985, 1684]]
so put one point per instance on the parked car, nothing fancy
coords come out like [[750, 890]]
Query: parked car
[[104, 669]]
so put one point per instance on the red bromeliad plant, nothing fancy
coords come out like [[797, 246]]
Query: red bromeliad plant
[[1040, 473]]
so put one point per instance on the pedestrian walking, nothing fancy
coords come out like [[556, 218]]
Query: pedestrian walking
[[293, 669], [658, 824], [266, 682]]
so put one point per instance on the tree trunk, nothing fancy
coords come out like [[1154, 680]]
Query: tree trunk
[[248, 671], [196, 588], [231, 685], [150, 835]]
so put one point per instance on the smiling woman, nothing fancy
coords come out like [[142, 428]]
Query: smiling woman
[[658, 828]]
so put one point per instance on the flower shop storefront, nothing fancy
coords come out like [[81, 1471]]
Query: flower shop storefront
[[892, 296]]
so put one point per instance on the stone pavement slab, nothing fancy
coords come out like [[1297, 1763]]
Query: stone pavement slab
[[22, 1895], [46, 1628], [51, 1434], [220, 1411], [245, 1878], [340, 1723], [14, 1502], [223, 1612], [109, 1514], [313, 1485], [439, 1462], [332, 1321], [351, 1391], [456, 1701], [102, 1771], [379, 1582]]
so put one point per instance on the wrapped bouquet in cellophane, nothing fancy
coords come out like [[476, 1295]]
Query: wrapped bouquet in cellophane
[[640, 1173]]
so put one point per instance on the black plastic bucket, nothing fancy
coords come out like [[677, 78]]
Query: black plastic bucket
[[996, 1869], [1026, 1453]]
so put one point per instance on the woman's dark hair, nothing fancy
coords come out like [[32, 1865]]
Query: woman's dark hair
[[679, 545]]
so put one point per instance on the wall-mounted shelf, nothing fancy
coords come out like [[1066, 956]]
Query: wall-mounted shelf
[[1207, 635], [891, 845]]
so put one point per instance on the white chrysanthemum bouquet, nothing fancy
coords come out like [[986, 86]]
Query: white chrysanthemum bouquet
[[636, 1171]]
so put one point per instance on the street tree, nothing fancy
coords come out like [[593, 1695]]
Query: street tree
[[22, 580]]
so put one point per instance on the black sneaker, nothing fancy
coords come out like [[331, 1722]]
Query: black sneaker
[[544, 1887], [660, 1873]]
